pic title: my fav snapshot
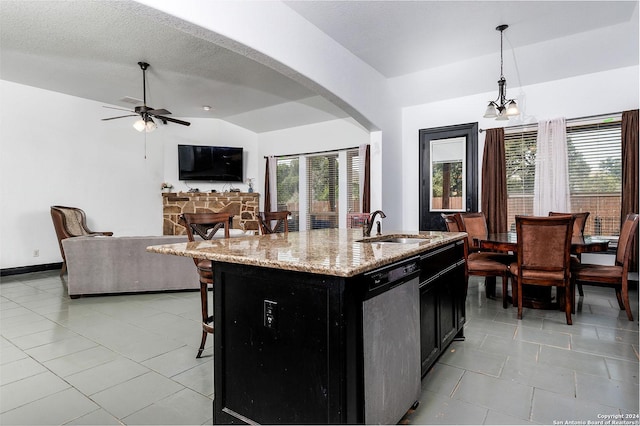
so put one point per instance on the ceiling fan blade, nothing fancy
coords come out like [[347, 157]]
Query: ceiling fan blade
[[121, 116], [143, 111], [173, 120], [121, 109], [161, 111]]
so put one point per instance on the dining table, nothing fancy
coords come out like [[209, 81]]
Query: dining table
[[508, 242], [535, 296]]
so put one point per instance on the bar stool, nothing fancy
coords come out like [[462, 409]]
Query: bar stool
[[205, 225], [281, 225]]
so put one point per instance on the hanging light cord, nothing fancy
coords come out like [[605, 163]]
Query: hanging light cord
[[501, 60]]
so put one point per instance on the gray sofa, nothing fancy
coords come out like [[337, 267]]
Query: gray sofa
[[106, 265]]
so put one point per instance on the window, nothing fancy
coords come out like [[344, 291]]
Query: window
[[322, 181], [287, 178], [327, 186], [448, 174], [353, 181], [595, 174]]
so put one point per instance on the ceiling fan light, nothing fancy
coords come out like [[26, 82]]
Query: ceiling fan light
[[140, 125], [512, 108], [150, 126], [491, 110]]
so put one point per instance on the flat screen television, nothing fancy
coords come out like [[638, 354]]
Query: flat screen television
[[209, 163]]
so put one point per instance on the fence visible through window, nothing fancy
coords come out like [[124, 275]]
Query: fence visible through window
[[595, 174]]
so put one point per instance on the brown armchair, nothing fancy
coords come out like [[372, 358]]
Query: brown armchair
[[206, 225], [71, 222]]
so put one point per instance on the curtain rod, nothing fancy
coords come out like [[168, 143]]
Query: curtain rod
[[311, 153], [569, 120]]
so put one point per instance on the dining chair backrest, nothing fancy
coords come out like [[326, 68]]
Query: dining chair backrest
[[544, 244], [626, 239], [580, 220], [475, 225], [206, 225], [274, 222], [544, 253], [452, 222]]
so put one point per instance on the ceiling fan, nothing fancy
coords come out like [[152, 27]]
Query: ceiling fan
[[147, 114]]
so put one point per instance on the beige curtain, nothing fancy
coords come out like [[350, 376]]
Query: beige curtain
[[630, 172], [494, 181], [551, 183]]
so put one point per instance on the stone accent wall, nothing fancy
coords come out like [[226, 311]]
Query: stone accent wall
[[243, 205]]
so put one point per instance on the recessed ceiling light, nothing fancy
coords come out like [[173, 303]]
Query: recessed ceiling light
[[206, 107]]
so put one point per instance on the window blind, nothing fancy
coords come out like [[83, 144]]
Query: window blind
[[322, 183], [319, 187], [595, 174], [353, 181]]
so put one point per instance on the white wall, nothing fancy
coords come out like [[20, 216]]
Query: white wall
[[601, 93], [206, 131], [55, 150]]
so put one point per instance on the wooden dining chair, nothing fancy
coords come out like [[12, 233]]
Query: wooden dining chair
[[580, 220], [479, 263], [544, 249], [483, 263], [452, 222], [206, 225], [474, 224], [267, 219], [617, 275]]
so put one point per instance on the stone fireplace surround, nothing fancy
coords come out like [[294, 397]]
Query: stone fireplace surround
[[243, 205]]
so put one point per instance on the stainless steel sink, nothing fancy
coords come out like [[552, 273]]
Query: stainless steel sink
[[394, 239]]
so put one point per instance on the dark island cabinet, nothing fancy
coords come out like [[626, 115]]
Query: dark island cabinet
[[442, 301], [295, 347]]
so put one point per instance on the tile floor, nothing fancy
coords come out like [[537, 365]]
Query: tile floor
[[131, 360]]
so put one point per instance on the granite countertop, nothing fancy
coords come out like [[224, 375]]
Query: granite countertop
[[335, 252]]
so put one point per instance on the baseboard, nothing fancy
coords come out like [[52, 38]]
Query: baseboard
[[31, 268]]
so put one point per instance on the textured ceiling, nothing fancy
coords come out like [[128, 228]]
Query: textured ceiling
[[90, 49]]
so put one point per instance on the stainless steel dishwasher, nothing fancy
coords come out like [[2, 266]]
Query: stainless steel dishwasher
[[391, 342]]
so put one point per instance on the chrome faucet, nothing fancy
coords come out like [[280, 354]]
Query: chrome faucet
[[368, 223]]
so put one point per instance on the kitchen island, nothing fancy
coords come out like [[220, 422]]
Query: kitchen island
[[326, 326]]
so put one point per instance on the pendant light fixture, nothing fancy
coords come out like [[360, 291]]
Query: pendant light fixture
[[502, 108]]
